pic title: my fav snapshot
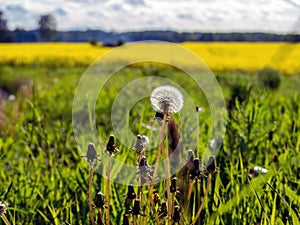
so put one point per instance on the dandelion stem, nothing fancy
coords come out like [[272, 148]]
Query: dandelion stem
[[140, 192], [190, 188], [5, 219], [101, 216], [150, 190], [91, 196], [134, 219], [108, 193], [172, 203], [203, 200], [161, 148]]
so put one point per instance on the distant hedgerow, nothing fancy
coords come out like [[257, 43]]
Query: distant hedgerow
[[269, 78]]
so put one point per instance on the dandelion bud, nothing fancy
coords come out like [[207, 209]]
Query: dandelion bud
[[99, 200], [91, 154], [166, 99], [211, 164], [195, 172], [136, 210], [141, 143], [173, 186], [176, 215], [143, 161], [156, 198], [163, 212], [130, 193], [110, 147]]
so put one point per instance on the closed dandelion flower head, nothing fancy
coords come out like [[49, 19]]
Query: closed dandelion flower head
[[166, 99], [2, 208]]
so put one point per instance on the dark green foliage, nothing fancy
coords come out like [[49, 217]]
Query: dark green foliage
[[269, 78]]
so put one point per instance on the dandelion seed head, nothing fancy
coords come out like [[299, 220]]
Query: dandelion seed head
[[145, 139], [259, 169], [166, 99]]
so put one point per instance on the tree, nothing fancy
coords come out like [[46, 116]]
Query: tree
[[47, 27], [5, 34]]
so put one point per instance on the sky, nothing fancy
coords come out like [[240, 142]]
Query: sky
[[280, 16]]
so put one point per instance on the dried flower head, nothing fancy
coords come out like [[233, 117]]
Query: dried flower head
[[163, 211], [141, 143], [2, 208], [211, 164], [100, 200], [176, 215], [131, 193], [91, 154], [166, 99], [173, 186], [111, 147], [125, 219]]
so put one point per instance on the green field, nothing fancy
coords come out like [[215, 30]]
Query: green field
[[44, 179]]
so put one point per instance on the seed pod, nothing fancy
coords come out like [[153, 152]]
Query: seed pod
[[136, 210], [99, 200], [195, 172], [145, 171], [163, 212], [211, 168], [176, 215], [156, 198], [173, 186], [110, 147], [2, 208], [130, 192], [139, 144], [91, 154]]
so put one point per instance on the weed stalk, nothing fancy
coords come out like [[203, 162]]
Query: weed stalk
[[91, 207], [203, 200], [5, 219], [108, 192]]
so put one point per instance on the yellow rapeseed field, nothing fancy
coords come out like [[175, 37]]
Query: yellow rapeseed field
[[218, 56]]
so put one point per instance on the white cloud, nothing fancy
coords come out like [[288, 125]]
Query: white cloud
[[182, 15]]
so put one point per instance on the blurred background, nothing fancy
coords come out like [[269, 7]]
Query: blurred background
[[133, 20]]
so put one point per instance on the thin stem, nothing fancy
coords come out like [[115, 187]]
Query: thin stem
[[150, 190], [161, 136], [190, 188], [91, 196], [134, 219], [5, 219], [172, 203], [140, 192], [161, 148], [203, 200], [152, 204], [101, 216], [108, 193]]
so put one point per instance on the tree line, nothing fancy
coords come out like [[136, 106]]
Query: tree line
[[46, 31]]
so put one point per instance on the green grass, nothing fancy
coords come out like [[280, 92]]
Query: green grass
[[44, 180]]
